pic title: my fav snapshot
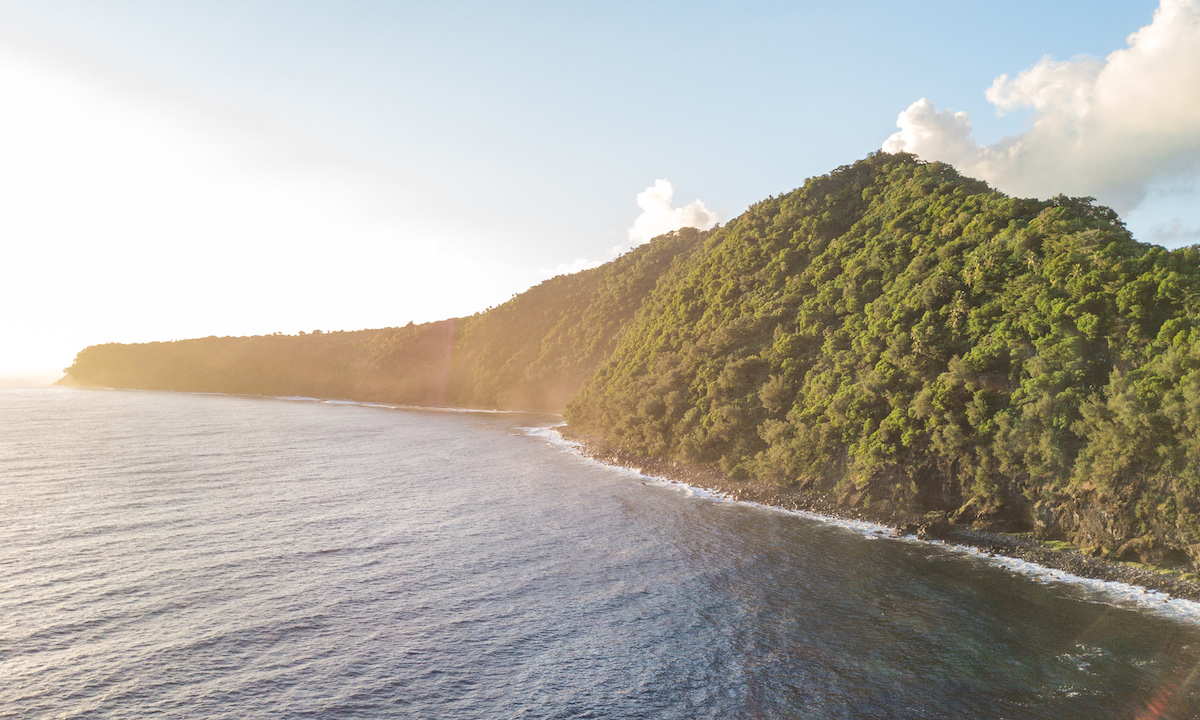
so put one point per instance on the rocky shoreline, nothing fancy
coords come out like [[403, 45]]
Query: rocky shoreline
[[932, 526]]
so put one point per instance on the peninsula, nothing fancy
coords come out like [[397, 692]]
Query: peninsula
[[892, 340]]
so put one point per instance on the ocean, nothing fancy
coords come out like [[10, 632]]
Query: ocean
[[201, 556]]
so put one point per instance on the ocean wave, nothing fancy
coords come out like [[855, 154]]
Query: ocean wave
[[1108, 592]]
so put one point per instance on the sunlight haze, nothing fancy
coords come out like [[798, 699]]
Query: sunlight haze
[[230, 169]]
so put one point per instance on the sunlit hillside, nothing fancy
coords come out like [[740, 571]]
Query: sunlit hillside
[[893, 337]]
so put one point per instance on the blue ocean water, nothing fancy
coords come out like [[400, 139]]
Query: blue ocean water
[[191, 556]]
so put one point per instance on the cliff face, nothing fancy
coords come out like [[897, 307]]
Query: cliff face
[[891, 336]]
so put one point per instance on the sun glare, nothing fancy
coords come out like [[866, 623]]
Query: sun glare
[[131, 215]]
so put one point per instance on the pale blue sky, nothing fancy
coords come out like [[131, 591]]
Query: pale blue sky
[[497, 140]]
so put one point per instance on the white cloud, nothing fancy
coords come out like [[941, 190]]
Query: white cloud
[[933, 134], [579, 265], [1108, 128], [659, 217]]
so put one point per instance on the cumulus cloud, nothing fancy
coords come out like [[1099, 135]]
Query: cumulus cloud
[[578, 265], [659, 217], [1109, 128]]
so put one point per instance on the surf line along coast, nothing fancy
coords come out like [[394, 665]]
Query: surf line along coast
[[933, 526]]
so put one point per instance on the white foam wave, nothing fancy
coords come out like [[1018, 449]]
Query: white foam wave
[[550, 434], [1108, 592], [387, 406]]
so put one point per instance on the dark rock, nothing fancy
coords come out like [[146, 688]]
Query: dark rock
[[1045, 521], [934, 526]]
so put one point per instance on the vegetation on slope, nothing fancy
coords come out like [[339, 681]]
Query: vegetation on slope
[[533, 352], [892, 337], [898, 337]]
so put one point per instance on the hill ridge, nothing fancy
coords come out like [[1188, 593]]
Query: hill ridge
[[891, 336]]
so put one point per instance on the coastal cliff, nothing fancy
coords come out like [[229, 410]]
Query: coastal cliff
[[891, 338]]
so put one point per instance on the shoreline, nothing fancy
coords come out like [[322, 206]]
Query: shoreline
[[1072, 561], [932, 529]]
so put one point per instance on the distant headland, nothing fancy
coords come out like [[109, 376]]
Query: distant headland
[[892, 340]]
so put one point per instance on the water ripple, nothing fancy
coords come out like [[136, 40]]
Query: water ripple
[[190, 556]]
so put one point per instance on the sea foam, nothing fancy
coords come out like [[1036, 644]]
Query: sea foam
[[1109, 592]]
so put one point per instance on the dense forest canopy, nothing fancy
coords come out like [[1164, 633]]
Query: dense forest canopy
[[892, 336], [896, 335]]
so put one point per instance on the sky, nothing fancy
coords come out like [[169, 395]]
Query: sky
[[173, 170]]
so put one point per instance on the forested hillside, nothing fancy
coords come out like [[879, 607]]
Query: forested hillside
[[533, 352], [892, 337], [897, 337]]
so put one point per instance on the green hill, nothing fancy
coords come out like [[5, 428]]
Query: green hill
[[892, 337], [897, 337], [533, 352]]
